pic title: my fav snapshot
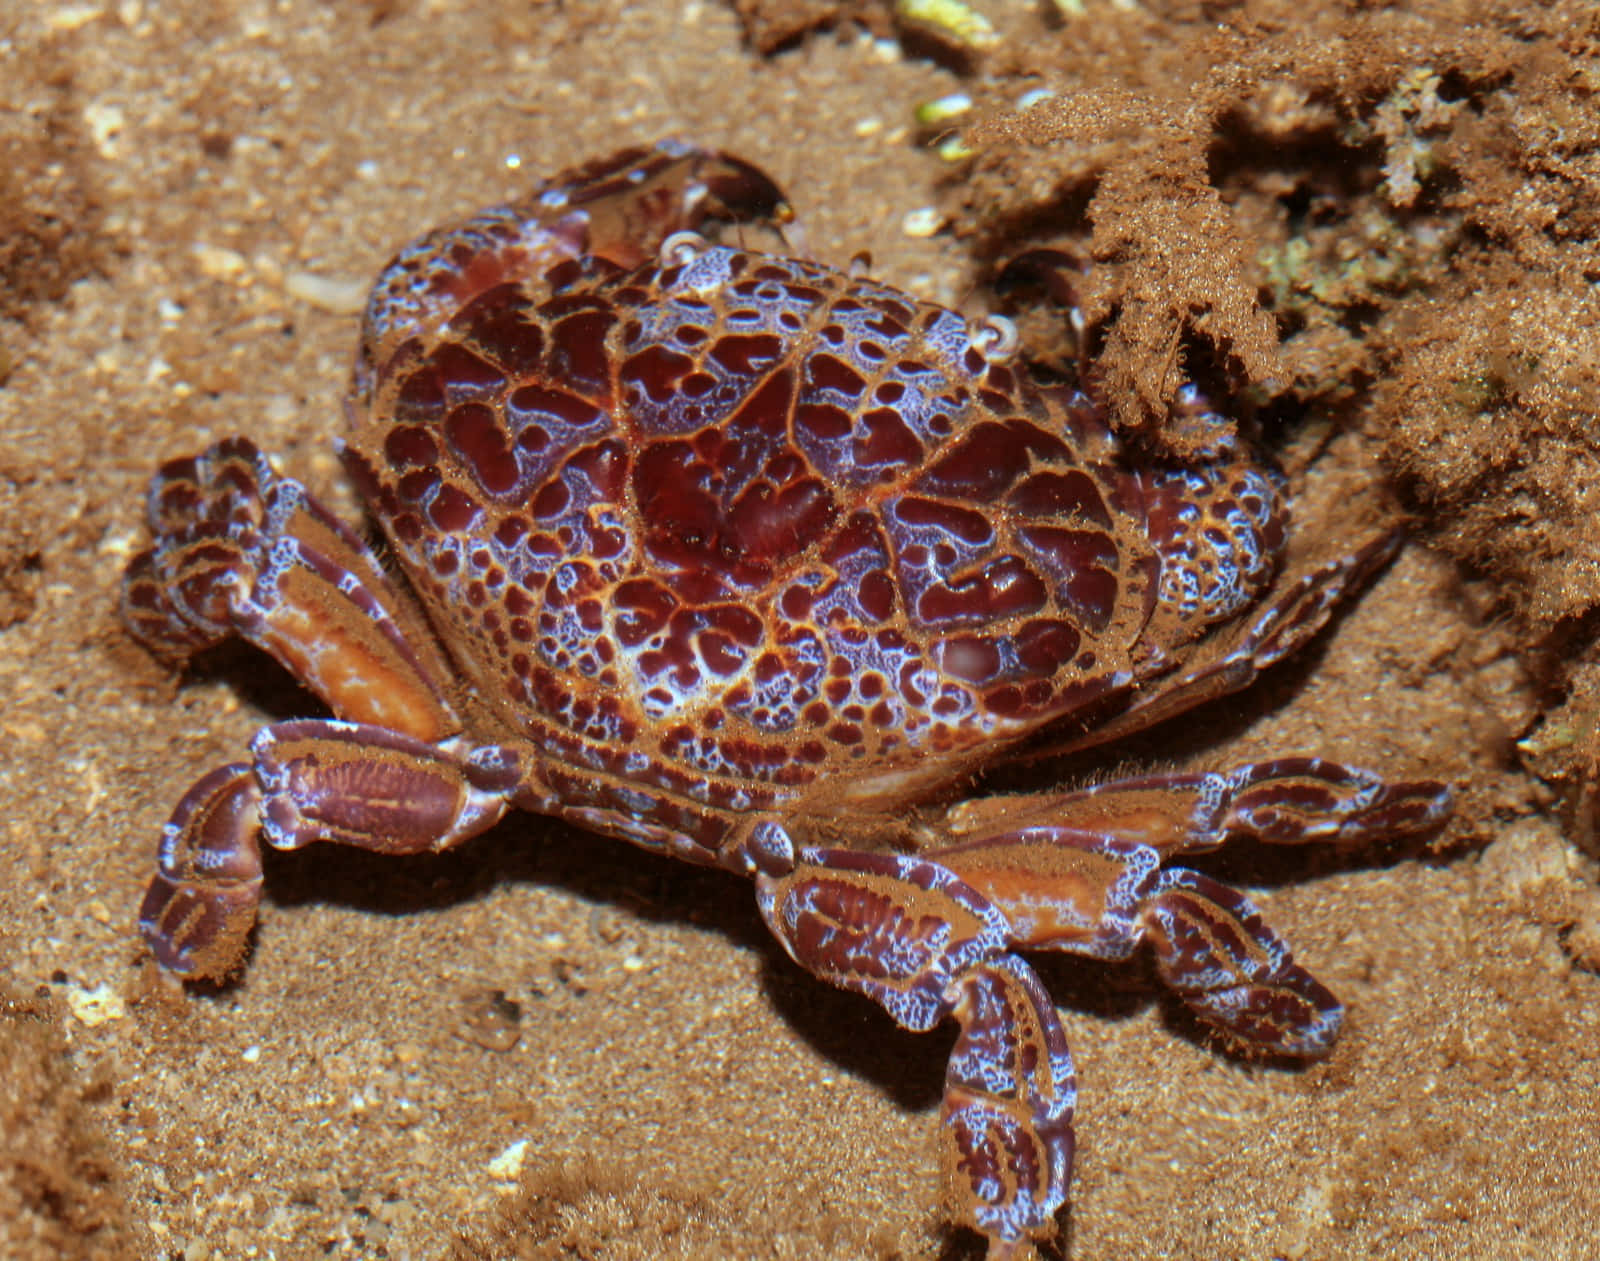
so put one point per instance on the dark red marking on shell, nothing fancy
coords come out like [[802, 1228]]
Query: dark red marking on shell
[[588, 474]]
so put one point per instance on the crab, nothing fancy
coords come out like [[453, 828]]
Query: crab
[[756, 563]]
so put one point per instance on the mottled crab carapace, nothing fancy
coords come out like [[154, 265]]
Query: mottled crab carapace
[[755, 562]]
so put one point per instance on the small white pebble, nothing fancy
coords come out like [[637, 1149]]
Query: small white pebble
[[280, 409], [869, 127], [120, 546], [267, 267], [218, 262], [96, 1006], [954, 149], [944, 109], [508, 1164], [922, 222], [633, 963], [69, 17], [111, 362], [105, 123], [251, 1054], [327, 293]]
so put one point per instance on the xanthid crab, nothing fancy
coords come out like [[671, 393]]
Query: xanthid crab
[[756, 562]]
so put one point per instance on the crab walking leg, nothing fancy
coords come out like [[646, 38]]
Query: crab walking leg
[[1285, 801], [242, 550], [312, 780], [200, 904], [1234, 972], [1100, 895], [1081, 872], [924, 945], [1005, 1132]]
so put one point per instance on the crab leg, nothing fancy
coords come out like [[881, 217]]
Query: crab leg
[[310, 780], [200, 904], [1234, 972], [924, 945], [1098, 895], [241, 550], [1090, 880], [1285, 801]]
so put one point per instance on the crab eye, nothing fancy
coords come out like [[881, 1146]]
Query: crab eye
[[682, 248], [996, 339]]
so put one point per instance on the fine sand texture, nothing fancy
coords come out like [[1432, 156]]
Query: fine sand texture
[[1371, 227]]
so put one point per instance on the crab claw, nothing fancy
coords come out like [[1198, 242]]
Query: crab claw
[[734, 188], [614, 212]]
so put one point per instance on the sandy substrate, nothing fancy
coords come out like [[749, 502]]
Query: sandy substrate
[[192, 204]]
